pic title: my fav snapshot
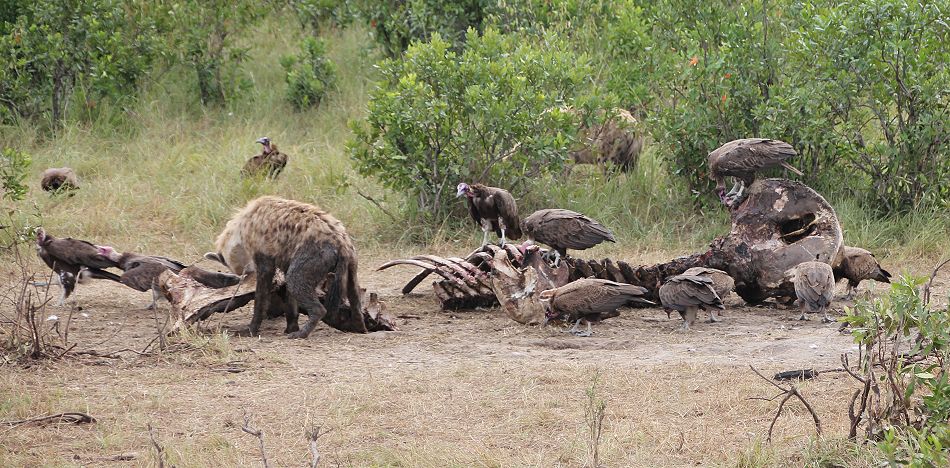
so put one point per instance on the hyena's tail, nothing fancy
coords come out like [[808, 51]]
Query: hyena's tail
[[354, 295]]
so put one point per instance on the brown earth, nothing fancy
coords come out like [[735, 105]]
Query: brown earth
[[466, 388]]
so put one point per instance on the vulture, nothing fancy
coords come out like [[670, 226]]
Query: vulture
[[723, 284], [59, 178], [564, 229], [814, 287], [141, 271], [211, 279], [857, 264], [72, 260], [741, 159], [687, 294], [493, 209], [269, 163], [588, 300]]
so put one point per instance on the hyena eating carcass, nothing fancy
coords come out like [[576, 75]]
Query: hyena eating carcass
[[307, 244]]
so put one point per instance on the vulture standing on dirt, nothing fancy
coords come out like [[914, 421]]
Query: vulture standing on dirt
[[814, 287], [589, 300], [857, 264], [493, 209], [687, 294], [72, 260], [141, 271], [741, 159], [723, 284], [564, 229], [269, 163], [59, 178]]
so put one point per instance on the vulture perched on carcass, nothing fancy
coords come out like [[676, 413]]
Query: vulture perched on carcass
[[723, 284], [493, 209], [564, 229], [588, 300], [857, 264], [141, 271], [59, 178], [269, 163], [814, 286], [72, 260], [741, 159], [687, 294]]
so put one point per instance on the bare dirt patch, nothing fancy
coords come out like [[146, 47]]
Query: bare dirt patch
[[466, 388]]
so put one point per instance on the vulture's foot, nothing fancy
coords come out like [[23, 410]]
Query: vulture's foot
[[684, 328], [583, 334], [713, 317], [802, 317], [827, 319]]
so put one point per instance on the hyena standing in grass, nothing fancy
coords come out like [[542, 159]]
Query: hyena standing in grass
[[307, 244]]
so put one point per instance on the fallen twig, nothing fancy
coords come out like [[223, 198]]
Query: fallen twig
[[313, 434], [789, 392], [256, 433], [158, 448], [61, 418]]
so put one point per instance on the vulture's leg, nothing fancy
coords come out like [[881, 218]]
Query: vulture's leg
[[689, 317], [851, 288], [557, 258], [501, 226], [802, 317], [738, 197], [573, 330], [584, 333], [713, 317], [68, 282], [735, 188], [826, 318], [486, 226]]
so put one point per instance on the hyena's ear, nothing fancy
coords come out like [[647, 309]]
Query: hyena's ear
[[214, 256]]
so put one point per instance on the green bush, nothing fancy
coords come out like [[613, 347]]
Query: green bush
[[491, 113], [317, 14], [397, 23], [14, 167], [309, 75], [906, 367]]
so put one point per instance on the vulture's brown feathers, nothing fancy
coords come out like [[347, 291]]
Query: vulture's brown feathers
[[59, 178], [743, 158], [723, 284], [687, 294], [565, 229], [269, 163], [857, 264], [211, 279], [72, 260], [141, 271], [814, 287], [590, 300], [493, 209]]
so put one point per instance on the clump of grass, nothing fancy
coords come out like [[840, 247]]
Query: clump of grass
[[594, 414]]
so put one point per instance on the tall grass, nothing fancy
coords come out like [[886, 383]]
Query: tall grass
[[162, 174]]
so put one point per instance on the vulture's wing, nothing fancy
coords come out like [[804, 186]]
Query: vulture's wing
[[141, 275], [211, 279], [815, 285], [78, 252], [594, 296], [473, 210], [171, 264], [749, 155], [571, 230], [508, 211], [683, 291]]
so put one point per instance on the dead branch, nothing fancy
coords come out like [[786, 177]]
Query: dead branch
[[160, 451], [926, 294], [789, 392], [256, 433], [314, 433], [61, 418], [378, 205]]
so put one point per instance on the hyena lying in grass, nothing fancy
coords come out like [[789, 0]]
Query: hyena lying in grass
[[307, 244]]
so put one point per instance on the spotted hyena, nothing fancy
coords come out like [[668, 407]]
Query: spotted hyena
[[307, 244]]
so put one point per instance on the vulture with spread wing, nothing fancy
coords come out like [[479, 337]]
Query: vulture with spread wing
[[59, 178], [814, 286], [741, 159], [269, 163], [72, 261], [141, 271], [493, 209], [564, 229], [589, 300], [857, 264], [687, 294]]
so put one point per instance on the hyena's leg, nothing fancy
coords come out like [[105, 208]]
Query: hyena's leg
[[306, 272], [262, 295]]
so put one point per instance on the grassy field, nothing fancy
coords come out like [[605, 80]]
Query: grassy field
[[164, 181]]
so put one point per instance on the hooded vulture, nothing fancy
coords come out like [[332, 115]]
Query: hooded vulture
[[141, 271], [493, 209], [72, 260], [687, 294], [741, 159], [564, 229], [589, 300], [269, 163], [59, 178], [857, 264], [814, 287]]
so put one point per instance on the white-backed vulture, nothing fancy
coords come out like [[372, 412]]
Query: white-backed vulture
[[687, 294], [269, 163], [723, 284], [814, 287], [589, 300], [857, 264], [72, 261], [493, 209], [564, 229], [59, 178], [741, 159]]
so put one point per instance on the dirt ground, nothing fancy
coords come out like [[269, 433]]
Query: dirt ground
[[468, 388]]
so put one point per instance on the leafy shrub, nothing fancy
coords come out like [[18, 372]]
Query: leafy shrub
[[309, 75], [316, 14], [101, 46], [905, 401], [397, 23], [491, 113], [14, 167]]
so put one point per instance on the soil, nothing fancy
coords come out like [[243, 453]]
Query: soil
[[465, 388]]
